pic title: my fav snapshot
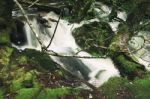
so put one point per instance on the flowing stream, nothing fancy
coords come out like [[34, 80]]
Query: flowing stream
[[95, 70]]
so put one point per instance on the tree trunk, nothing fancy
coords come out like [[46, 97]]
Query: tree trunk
[[5, 20]]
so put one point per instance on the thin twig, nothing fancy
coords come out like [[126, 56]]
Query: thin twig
[[33, 3], [54, 32], [53, 53]]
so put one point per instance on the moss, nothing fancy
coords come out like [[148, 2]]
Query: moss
[[40, 93], [98, 34], [24, 79], [26, 93], [114, 44], [41, 59], [54, 93], [113, 88], [141, 88], [4, 38], [120, 40], [5, 53], [22, 59], [18, 60], [128, 67], [120, 88], [1, 94]]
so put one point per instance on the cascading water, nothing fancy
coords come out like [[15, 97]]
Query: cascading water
[[96, 71], [140, 45]]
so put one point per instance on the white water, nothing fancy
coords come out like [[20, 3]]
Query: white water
[[97, 70], [141, 48]]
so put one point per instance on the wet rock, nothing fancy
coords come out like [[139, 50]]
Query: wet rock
[[17, 36]]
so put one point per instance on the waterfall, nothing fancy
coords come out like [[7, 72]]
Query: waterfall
[[96, 71]]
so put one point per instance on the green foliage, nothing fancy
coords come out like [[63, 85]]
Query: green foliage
[[98, 34]]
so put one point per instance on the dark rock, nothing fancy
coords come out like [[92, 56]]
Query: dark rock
[[18, 35], [27, 83]]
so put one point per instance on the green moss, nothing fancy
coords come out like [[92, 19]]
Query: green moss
[[1, 94], [120, 88], [53, 93], [4, 38], [127, 66], [5, 53], [23, 78], [40, 93], [16, 85], [22, 60], [26, 93], [141, 88], [112, 88], [114, 44], [42, 59]]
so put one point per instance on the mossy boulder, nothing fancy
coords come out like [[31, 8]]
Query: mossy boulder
[[121, 88], [128, 67], [141, 88], [90, 37], [42, 59], [23, 79], [116, 88]]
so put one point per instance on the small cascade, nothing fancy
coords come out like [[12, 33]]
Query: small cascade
[[140, 45], [96, 71]]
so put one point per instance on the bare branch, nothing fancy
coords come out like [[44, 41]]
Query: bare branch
[[33, 3], [54, 32], [53, 53]]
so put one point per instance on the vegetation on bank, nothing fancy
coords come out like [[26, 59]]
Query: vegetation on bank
[[23, 77], [29, 73]]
